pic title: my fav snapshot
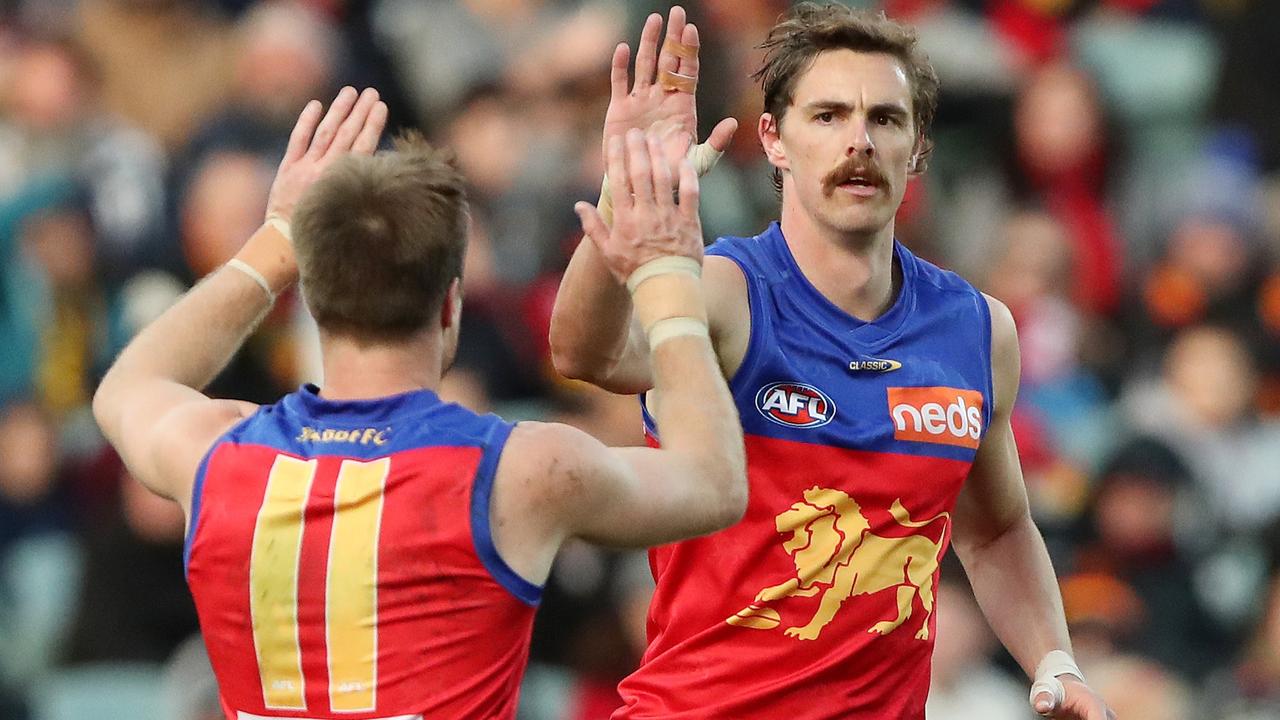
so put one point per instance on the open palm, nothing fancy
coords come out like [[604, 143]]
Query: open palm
[[646, 104]]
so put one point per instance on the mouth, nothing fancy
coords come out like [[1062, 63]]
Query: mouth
[[860, 186]]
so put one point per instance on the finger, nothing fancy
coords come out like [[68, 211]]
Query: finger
[[668, 60], [639, 167], [618, 75], [1044, 703], [722, 134], [350, 128], [593, 226], [647, 52], [338, 111], [616, 167], [300, 138], [662, 187], [689, 191], [370, 135], [689, 65]]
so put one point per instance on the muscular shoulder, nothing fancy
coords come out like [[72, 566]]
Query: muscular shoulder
[[1006, 359], [547, 465], [183, 437]]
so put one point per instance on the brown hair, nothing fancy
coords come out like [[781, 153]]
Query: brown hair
[[379, 240], [810, 29]]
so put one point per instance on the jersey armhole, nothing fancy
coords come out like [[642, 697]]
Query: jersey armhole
[[482, 533], [988, 408], [755, 316], [197, 488]]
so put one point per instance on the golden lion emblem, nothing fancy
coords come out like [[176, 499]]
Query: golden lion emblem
[[836, 554]]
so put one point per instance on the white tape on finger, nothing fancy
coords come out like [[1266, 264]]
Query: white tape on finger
[[704, 157], [1052, 665], [1054, 687]]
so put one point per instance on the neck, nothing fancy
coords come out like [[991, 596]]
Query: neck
[[362, 369], [855, 271]]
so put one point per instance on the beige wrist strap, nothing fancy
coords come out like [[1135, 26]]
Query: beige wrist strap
[[675, 327], [663, 266], [253, 275], [1053, 664]]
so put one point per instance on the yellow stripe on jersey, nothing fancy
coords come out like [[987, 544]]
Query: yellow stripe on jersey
[[273, 582], [351, 604]]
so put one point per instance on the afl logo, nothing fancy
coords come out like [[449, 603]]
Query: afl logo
[[795, 405]]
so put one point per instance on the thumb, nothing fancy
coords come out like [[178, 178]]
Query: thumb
[[1044, 703], [593, 225], [722, 133]]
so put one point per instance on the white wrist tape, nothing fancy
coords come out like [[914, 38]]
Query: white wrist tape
[[281, 225], [675, 327], [663, 266], [1053, 664], [254, 275], [703, 156]]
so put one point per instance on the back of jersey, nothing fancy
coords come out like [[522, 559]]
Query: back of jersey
[[342, 565]]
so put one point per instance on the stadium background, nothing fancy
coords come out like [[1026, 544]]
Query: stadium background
[[1109, 168]]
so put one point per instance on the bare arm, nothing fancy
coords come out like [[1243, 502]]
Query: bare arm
[[149, 404], [696, 483], [999, 544], [593, 336]]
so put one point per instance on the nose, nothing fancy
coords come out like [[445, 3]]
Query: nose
[[860, 142]]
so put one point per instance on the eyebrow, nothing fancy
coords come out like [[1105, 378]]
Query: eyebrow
[[885, 108]]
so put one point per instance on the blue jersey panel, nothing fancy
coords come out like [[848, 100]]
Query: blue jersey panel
[[916, 380]]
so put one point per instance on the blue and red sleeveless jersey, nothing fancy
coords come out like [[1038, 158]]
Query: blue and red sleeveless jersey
[[859, 435], [342, 565]]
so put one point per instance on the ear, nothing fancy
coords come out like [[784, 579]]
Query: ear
[[769, 130], [919, 157], [451, 308]]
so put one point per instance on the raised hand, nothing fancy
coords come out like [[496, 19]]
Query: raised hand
[[663, 94], [647, 222], [1079, 702], [353, 125]]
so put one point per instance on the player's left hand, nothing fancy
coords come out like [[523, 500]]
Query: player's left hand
[[647, 102], [353, 125], [1079, 702]]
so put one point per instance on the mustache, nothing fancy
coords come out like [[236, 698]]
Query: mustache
[[853, 165]]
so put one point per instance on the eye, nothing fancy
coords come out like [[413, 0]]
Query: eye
[[825, 117], [886, 120]]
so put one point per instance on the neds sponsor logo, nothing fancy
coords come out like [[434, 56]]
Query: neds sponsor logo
[[944, 415]]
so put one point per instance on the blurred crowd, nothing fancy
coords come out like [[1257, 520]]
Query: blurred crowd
[[1110, 169]]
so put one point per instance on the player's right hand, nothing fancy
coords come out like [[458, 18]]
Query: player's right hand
[[646, 103], [1080, 702], [647, 221], [353, 125]]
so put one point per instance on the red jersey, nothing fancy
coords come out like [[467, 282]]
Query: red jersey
[[342, 564], [819, 605]]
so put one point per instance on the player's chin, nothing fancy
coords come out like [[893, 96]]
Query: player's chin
[[861, 220]]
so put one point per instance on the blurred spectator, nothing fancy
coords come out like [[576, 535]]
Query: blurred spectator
[[1141, 530], [286, 54], [965, 684], [1138, 689], [1203, 403], [134, 606], [165, 64], [1246, 96], [1251, 689], [39, 560], [52, 127], [1064, 152]]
